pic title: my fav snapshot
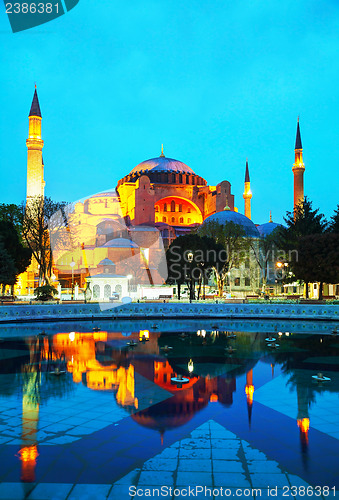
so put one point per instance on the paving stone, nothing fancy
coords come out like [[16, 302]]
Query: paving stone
[[14, 491], [225, 443], [89, 492], [50, 491], [271, 480], [169, 453], [119, 491], [194, 478], [156, 478], [226, 479], [195, 465], [218, 454], [195, 443], [130, 478], [188, 453], [158, 463], [227, 466], [262, 466]]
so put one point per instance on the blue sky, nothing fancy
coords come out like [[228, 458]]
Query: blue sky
[[215, 81]]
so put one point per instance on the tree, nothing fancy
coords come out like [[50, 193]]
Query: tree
[[318, 259], [190, 260], [19, 254], [12, 213], [265, 252], [304, 221], [334, 222], [233, 240], [8, 271], [35, 230]]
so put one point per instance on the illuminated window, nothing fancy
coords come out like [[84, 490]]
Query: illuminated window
[[247, 281], [188, 221], [181, 220], [180, 178], [180, 207], [157, 209], [172, 206], [187, 179], [173, 219], [236, 281], [189, 210], [164, 219], [165, 207]]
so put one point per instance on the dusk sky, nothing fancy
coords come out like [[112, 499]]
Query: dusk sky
[[214, 81]]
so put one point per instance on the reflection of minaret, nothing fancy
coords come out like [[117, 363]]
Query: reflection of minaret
[[298, 170], [247, 193], [303, 420], [249, 389], [30, 419], [35, 166]]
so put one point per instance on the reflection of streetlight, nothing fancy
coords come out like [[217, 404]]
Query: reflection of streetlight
[[190, 260], [190, 366], [72, 264]]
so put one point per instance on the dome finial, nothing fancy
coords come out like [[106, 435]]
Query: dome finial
[[270, 216], [227, 207], [162, 151]]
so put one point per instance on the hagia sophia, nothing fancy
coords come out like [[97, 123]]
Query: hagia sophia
[[123, 232]]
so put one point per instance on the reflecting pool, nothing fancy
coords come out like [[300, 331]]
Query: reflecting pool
[[94, 410]]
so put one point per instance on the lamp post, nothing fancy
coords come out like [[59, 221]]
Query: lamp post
[[190, 260], [72, 264]]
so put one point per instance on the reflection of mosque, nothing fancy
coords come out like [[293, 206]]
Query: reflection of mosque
[[101, 362]]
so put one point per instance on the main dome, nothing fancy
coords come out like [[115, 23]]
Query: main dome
[[240, 219], [162, 164]]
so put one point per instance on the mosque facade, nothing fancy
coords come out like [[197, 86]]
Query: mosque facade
[[157, 201]]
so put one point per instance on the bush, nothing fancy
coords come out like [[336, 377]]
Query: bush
[[45, 292]]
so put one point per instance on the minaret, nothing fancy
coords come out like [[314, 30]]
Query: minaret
[[247, 192], [298, 169], [35, 167]]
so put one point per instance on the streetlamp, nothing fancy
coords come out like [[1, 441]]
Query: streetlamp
[[72, 264], [190, 260]]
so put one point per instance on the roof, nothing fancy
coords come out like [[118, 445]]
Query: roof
[[267, 228], [120, 243], [162, 164], [237, 218], [106, 262], [247, 174], [298, 144], [35, 108]]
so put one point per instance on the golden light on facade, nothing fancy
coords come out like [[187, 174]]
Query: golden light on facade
[[214, 398], [144, 335]]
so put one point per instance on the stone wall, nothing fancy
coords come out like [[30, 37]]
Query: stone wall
[[68, 312]]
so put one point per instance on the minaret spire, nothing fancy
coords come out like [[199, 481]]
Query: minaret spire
[[35, 169], [247, 192], [298, 169], [162, 151]]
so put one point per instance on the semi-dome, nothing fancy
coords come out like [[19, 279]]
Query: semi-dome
[[240, 219], [120, 243], [162, 164], [268, 228], [106, 262]]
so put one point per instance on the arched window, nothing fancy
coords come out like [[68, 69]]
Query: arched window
[[173, 219], [96, 291], [188, 221], [165, 207], [180, 178], [118, 289], [189, 210], [157, 209], [180, 207], [187, 179], [164, 219], [107, 291], [181, 220], [173, 178], [172, 206]]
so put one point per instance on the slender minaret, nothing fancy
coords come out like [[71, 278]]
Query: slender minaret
[[298, 169], [247, 192], [35, 167]]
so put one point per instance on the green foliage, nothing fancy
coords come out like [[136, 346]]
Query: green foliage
[[8, 272], [15, 258], [45, 292], [232, 238], [334, 222], [9, 212]]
